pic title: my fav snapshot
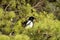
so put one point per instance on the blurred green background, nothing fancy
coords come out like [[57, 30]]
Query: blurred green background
[[14, 12]]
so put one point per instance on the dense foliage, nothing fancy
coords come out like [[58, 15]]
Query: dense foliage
[[14, 12]]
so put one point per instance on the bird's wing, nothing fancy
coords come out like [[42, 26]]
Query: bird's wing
[[28, 22]]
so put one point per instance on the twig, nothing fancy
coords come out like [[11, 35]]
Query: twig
[[7, 7], [38, 4]]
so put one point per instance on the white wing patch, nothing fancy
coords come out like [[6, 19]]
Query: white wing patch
[[29, 24]]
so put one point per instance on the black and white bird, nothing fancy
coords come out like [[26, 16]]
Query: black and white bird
[[29, 23]]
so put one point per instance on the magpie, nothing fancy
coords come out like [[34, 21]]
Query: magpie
[[29, 23]]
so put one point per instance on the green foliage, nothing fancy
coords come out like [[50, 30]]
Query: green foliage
[[1, 13], [22, 37], [46, 25], [18, 27], [4, 37], [11, 14], [14, 3]]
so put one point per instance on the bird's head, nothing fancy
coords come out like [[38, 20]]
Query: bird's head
[[31, 18]]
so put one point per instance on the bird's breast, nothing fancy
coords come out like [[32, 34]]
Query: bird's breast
[[30, 25]]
